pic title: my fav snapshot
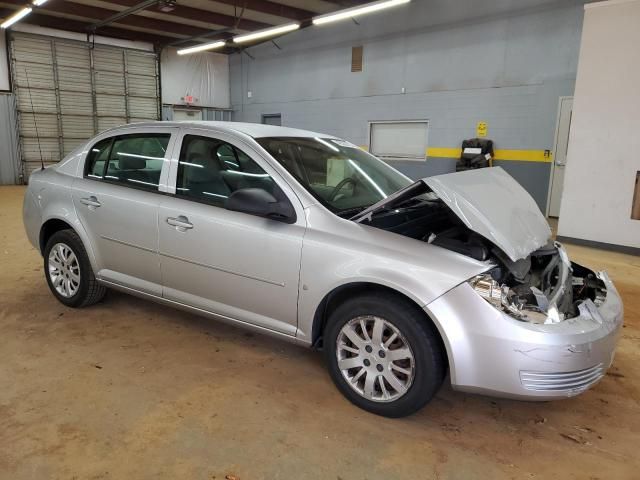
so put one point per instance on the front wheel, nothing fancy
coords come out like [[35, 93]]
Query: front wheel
[[384, 355], [68, 271]]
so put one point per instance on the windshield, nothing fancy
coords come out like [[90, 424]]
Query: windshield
[[340, 175]]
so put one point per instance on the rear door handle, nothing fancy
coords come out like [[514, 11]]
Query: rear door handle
[[181, 223], [92, 201]]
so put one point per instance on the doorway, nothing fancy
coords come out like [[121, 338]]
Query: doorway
[[272, 119], [558, 166]]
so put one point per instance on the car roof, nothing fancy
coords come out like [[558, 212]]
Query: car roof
[[255, 130]]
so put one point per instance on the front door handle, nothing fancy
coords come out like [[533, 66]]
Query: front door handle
[[91, 201], [181, 223]]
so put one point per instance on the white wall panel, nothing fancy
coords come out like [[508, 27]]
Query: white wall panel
[[4, 63], [9, 158], [602, 157], [399, 139], [205, 76]]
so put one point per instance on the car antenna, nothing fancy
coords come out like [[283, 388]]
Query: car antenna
[[33, 112]]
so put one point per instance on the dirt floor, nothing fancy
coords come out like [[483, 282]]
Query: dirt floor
[[128, 389]]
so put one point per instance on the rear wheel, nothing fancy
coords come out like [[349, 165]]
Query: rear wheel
[[68, 271], [384, 355]]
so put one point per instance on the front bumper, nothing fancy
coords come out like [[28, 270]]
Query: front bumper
[[493, 353]]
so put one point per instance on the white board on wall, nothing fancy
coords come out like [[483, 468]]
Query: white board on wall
[[204, 76], [4, 62], [399, 139], [602, 163]]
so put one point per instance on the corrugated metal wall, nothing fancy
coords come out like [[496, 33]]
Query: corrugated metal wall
[[9, 159], [68, 91]]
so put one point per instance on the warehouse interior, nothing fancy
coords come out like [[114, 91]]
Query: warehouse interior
[[131, 389]]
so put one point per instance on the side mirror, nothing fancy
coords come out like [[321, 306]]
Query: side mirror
[[259, 202]]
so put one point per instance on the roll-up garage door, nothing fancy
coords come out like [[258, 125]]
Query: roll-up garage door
[[68, 91]]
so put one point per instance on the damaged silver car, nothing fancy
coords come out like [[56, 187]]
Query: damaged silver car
[[309, 238]]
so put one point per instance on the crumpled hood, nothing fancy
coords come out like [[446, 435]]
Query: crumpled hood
[[490, 202]]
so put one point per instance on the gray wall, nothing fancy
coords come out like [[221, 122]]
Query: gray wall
[[505, 68], [9, 161]]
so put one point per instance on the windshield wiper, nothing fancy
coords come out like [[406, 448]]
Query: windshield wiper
[[350, 211]]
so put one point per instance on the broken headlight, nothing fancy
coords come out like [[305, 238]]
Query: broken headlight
[[505, 299], [500, 296], [508, 301]]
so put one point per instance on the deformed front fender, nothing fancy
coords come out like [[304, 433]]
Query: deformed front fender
[[344, 252]]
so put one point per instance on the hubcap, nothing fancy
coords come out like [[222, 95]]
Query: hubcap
[[64, 270], [375, 358]]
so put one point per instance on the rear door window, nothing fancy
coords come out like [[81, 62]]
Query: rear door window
[[97, 159], [132, 160]]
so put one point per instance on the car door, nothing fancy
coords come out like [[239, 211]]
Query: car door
[[117, 200], [241, 266]]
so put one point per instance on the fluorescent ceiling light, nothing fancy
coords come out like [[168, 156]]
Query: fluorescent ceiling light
[[202, 48], [16, 17], [37, 3], [268, 32], [357, 11]]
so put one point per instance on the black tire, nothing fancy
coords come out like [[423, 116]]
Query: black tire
[[89, 290], [421, 335]]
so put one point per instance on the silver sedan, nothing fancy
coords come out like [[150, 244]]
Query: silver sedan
[[309, 238]]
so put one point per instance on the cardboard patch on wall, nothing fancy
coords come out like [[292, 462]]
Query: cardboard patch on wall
[[635, 207]]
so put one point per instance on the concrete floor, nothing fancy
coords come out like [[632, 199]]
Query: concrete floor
[[129, 389]]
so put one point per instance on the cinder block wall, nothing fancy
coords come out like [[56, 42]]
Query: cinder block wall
[[506, 68]]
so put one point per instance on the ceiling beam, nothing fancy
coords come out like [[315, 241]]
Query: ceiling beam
[[98, 13], [271, 8], [190, 13], [222, 34], [59, 23], [350, 3], [124, 13]]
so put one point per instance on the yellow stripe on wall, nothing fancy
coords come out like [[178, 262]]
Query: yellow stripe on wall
[[512, 155], [522, 155], [507, 155], [444, 152]]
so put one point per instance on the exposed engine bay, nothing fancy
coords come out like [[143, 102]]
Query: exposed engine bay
[[544, 287]]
